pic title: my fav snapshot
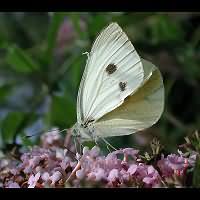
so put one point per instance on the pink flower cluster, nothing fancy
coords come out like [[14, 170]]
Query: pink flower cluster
[[52, 166], [177, 164], [116, 172]]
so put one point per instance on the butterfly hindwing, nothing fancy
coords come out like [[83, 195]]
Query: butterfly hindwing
[[140, 110]]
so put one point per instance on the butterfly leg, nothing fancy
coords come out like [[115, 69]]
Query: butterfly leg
[[108, 144], [75, 144], [95, 140], [108, 148], [80, 147]]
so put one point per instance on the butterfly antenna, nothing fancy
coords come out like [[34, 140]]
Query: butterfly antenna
[[63, 130], [56, 130], [34, 134], [39, 132]]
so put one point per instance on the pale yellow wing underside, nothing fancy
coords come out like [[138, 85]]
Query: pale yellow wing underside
[[139, 111]]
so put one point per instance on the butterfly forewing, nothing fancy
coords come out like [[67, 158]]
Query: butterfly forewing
[[113, 71]]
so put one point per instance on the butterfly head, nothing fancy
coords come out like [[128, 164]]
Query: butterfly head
[[81, 131]]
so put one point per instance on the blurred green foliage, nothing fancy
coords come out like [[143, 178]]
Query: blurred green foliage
[[41, 64]]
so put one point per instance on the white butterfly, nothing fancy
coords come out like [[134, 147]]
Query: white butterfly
[[119, 93]]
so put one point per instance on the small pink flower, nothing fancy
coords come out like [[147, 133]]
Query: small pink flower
[[34, 161], [125, 175], [55, 177], [51, 138], [97, 175], [13, 185], [14, 171], [113, 175], [141, 171], [45, 176], [132, 169], [32, 181], [80, 174], [176, 162], [65, 163], [131, 152], [152, 177], [164, 167], [192, 159], [112, 162], [94, 152], [59, 153], [100, 174]]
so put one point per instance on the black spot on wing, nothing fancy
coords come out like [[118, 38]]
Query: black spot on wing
[[122, 86], [111, 68]]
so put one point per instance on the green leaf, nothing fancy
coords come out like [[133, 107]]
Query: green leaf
[[20, 60], [3, 41], [75, 72], [62, 112], [75, 18], [9, 126], [165, 30], [4, 92], [196, 174], [26, 141], [189, 60], [96, 23], [56, 21]]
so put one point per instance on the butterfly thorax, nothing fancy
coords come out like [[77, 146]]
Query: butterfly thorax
[[83, 132]]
